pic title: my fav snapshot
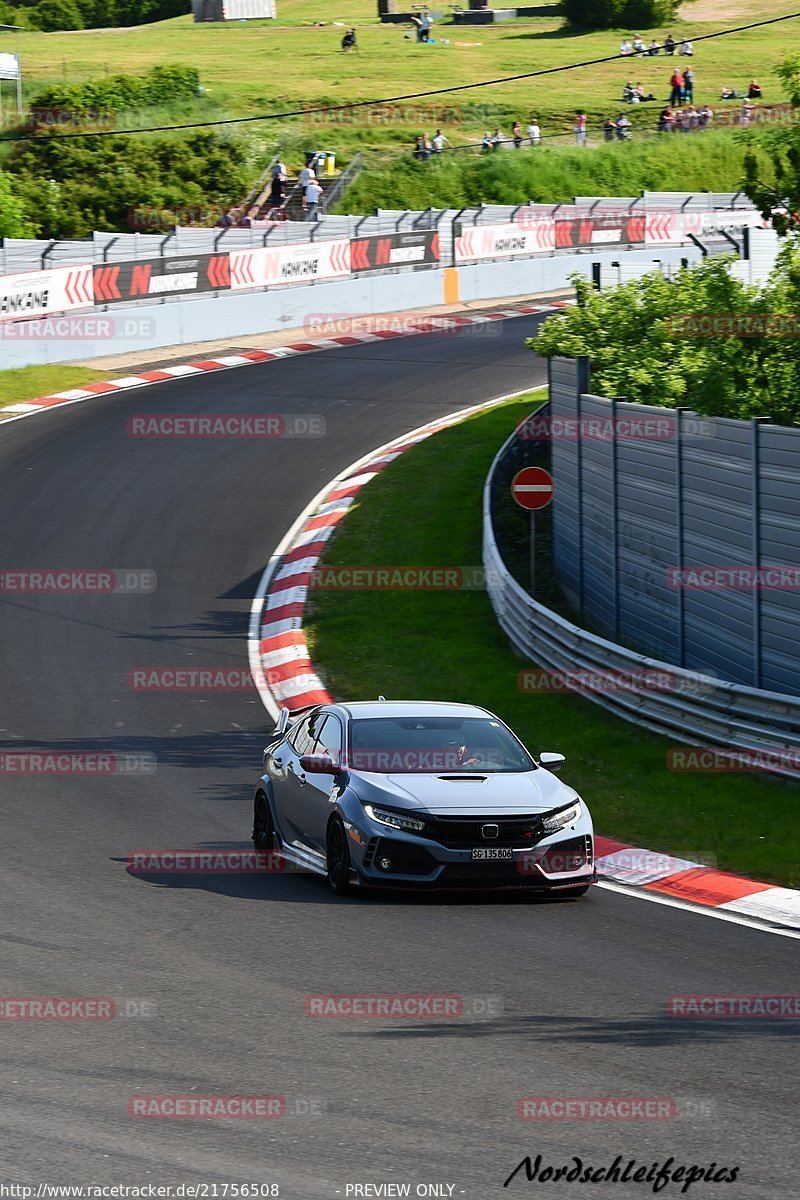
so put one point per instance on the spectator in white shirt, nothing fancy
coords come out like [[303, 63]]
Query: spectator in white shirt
[[438, 142], [313, 194], [687, 48], [625, 47], [279, 170], [534, 132]]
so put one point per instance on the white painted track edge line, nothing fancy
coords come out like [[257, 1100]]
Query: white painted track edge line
[[702, 910]]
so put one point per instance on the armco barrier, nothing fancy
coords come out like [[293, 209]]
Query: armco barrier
[[696, 710]]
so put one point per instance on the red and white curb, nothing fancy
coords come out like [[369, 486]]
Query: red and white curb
[[409, 326], [285, 678], [279, 655], [684, 882]]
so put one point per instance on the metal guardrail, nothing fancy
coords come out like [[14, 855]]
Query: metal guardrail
[[696, 710]]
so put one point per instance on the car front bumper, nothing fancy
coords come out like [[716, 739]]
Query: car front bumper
[[383, 857]]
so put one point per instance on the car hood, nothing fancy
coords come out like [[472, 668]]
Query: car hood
[[442, 795]]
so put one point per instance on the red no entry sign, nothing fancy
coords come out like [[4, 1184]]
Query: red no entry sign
[[532, 487]]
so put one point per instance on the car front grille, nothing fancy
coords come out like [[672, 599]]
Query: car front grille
[[460, 833]]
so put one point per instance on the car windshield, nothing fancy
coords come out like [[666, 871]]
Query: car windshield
[[434, 744]]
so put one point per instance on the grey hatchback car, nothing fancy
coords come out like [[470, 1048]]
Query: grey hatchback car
[[419, 794]]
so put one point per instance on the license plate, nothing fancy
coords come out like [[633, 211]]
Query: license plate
[[492, 854]]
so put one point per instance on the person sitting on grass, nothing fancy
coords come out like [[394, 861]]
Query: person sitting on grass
[[687, 48], [754, 91], [642, 94], [638, 45], [349, 40], [654, 48], [629, 94], [729, 94], [669, 44], [625, 48]]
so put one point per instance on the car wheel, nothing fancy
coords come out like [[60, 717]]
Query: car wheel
[[338, 858], [263, 827]]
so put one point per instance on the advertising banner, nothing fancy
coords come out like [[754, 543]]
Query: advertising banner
[[40, 293], [474, 243], [290, 264], [152, 278], [600, 229], [376, 253]]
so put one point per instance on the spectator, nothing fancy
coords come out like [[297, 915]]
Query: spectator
[[706, 116], [654, 48], [312, 197], [746, 112], [580, 129], [676, 84], [534, 132], [277, 191], [305, 177], [625, 48], [516, 134], [665, 119], [486, 142], [349, 40], [669, 44], [609, 130], [728, 94], [425, 23], [438, 142], [638, 45], [279, 170], [642, 94], [687, 48], [497, 139], [418, 147], [629, 94], [427, 148], [688, 84], [754, 91], [623, 126]]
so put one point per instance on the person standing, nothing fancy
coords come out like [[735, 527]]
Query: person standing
[[688, 85], [623, 127], [676, 83], [305, 177], [516, 134], [534, 132], [580, 129], [425, 26], [609, 129], [438, 142], [313, 195]]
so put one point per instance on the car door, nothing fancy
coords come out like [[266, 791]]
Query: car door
[[289, 780], [316, 798]]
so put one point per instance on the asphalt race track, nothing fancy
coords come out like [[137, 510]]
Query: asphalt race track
[[227, 960]]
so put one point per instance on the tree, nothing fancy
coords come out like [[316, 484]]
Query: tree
[[53, 15], [13, 221], [655, 340], [618, 14]]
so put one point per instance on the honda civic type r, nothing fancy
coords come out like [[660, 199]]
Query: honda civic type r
[[420, 794]]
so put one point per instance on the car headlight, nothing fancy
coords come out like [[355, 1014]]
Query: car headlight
[[566, 817], [394, 820]]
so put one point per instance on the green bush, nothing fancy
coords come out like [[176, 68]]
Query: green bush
[[704, 161], [53, 15], [642, 347], [98, 181], [618, 14], [13, 220], [161, 85]]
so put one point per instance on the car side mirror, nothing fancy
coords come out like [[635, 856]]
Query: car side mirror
[[282, 725], [551, 762], [318, 764]]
